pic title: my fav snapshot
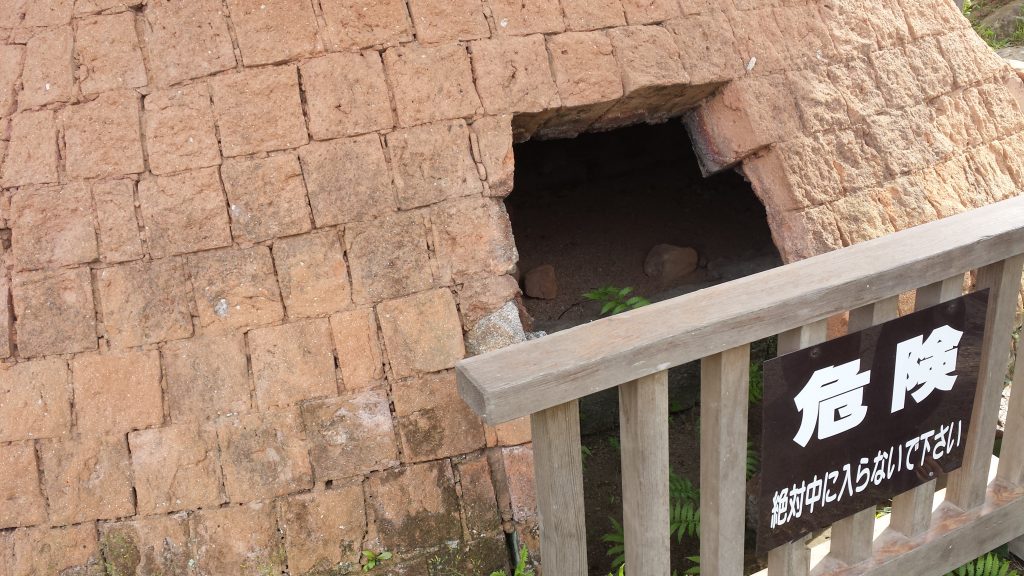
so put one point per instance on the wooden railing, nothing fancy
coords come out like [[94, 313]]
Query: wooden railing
[[545, 378]]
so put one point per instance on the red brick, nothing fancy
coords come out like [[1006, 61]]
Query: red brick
[[312, 274], [863, 219], [180, 130], [108, 52], [795, 175], [858, 165], [102, 137], [55, 312], [815, 44], [473, 235], [433, 162], [481, 296], [347, 180], [583, 15], [357, 24], [494, 136], [128, 293], [931, 17], [520, 17], [433, 421], [12, 13], [513, 75], [855, 80], [431, 83], [21, 501], [806, 233], [207, 377], [517, 462], [422, 333], [351, 435], [175, 468], [707, 47], [649, 11], [48, 73], [35, 400], [479, 504], [259, 111], [117, 227], [184, 213], [83, 7], [292, 363], [584, 67], [848, 25], [12, 57], [359, 353], [70, 550], [263, 456], [187, 40], [235, 288], [237, 540], [52, 13], [513, 433], [388, 257], [323, 530], [273, 31], [648, 57], [156, 545], [117, 392], [52, 227], [759, 40], [87, 478], [821, 105], [267, 197], [448, 20], [897, 81], [346, 95], [415, 507], [934, 74], [32, 156]]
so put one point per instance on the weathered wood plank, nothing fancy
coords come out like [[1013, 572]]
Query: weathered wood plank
[[912, 510], [967, 485], [643, 433], [724, 387], [1011, 456], [558, 477], [531, 376]]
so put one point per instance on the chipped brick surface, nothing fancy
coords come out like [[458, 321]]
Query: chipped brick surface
[[274, 31], [324, 529], [175, 468], [346, 95], [35, 400], [48, 73], [102, 138], [184, 213], [473, 235], [117, 228], [153, 545], [109, 55], [357, 24], [117, 392], [312, 274], [12, 57], [583, 15], [32, 153], [187, 40], [415, 506], [180, 129], [266, 197], [206, 377], [53, 227], [259, 110], [584, 67], [519, 17], [55, 311], [144, 302], [347, 180], [237, 540], [389, 257], [432, 163], [431, 83], [433, 422], [21, 500], [105, 461], [351, 435], [264, 455], [292, 363], [513, 75], [358, 348], [448, 20], [422, 332], [235, 288], [67, 550]]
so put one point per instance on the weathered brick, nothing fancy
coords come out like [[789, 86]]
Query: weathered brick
[[513, 75], [102, 138], [804, 233], [707, 47], [83, 7], [48, 73], [647, 56], [346, 95], [893, 136], [312, 274], [804, 22], [259, 111], [21, 501], [863, 219], [905, 202], [422, 333], [584, 15], [117, 228], [235, 288], [479, 503], [156, 545], [859, 166], [897, 81], [263, 456], [32, 156], [237, 540], [448, 20], [180, 130], [70, 550], [931, 17], [388, 257], [348, 180], [431, 83], [292, 363], [108, 52], [359, 353], [473, 235], [584, 67], [55, 312], [521, 17], [759, 39], [187, 40], [52, 13], [184, 212], [52, 226], [356, 24], [267, 197], [433, 162], [351, 435], [820, 104], [175, 468], [517, 477], [433, 421], [324, 530], [513, 433], [6, 319], [12, 13], [207, 377], [855, 80], [273, 31], [144, 302], [87, 478], [481, 296], [432, 520], [494, 135], [649, 11], [794, 175], [117, 392], [12, 58], [35, 400]]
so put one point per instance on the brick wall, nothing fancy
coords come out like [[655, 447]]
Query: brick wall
[[247, 238]]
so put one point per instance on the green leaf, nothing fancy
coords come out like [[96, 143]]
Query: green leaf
[[607, 308], [625, 291], [619, 309], [384, 556]]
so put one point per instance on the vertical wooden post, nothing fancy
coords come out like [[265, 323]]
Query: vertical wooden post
[[912, 510], [643, 419], [967, 485], [794, 559], [724, 387], [558, 477], [1011, 457]]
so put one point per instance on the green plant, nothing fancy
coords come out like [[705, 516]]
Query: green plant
[[753, 460], [988, 565], [616, 300], [684, 512], [756, 393], [613, 441], [617, 539], [695, 569], [522, 566], [371, 559]]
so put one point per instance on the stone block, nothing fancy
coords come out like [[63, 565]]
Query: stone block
[[499, 329], [55, 13], [388, 257], [448, 20], [422, 333], [518, 18], [433, 520], [859, 166], [259, 111], [805, 233], [235, 288], [117, 392], [863, 219], [184, 212], [266, 197], [156, 545], [276, 31], [585, 15], [347, 180], [517, 479], [346, 95], [35, 400], [931, 17], [108, 52], [820, 104], [431, 83], [584, 68], [180, 129], [905, 203], [187, 40], [513, 433], [71, 550], [48, 74], [473, 235], [649, 11], [494, 137], [207, 377], [117, 228], [237, 540], [84, 7], [87, 478], [433, 421], [32, 153], [432, 163], [144, 302], [855, 81], [760, 41], [21, 501], [897, 81], [648, 57], [102, 138], [351, 435], [312, 274], [292, 362], [479, 297], [356, 24], [927, 62], [52, 227], [263, 456], [12, 59], [324, 530], [707, 47], [175, 468], [479, 504], [792, 175], [55, 312], [358, 346], [514, 75], [803, 22]]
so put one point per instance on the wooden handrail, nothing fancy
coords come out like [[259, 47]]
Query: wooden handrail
[[536, 375]]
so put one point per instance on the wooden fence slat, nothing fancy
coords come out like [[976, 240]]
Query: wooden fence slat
[[643, 421], [912, 510], [967, 485], [558, 478], [794, 558], [1011, 456], [724, 389]]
